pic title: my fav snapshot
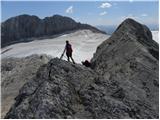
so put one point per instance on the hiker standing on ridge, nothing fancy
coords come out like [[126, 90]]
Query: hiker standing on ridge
[[68, 49]]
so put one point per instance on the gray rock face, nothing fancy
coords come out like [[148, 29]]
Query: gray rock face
[[55, 87], [24, 27], [129, 59], [123, 82], [15, 72]]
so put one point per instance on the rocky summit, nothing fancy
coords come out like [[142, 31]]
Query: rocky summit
[[24, 28], [121, 83]]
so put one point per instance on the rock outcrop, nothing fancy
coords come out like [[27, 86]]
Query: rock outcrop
[[24, 28], [129, 60], [123, 82], [15, 72]]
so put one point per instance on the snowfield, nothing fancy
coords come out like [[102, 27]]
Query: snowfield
[[155, 35], [84, 44]]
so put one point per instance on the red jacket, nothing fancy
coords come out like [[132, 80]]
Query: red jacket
[[68, 48]]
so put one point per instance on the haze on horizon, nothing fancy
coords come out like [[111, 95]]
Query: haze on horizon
[[95, 13]]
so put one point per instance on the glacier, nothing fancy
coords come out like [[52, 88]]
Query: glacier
[[84, 43]]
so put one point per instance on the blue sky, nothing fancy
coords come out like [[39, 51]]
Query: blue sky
[[93, 12]]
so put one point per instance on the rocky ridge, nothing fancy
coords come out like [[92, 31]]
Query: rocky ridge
[[15, 72], [123, 82], [25, 28]]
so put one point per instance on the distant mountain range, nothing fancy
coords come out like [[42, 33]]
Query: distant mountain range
[[23, 28], [109, 29]]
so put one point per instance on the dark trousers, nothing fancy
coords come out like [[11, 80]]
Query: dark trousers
[[69, 55]]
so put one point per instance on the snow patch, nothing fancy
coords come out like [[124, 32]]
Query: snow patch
[[84, 43], [155, 35]]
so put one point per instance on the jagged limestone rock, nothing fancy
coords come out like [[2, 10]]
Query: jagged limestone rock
[[15, 72], [123, 82], [129, 59], [53, 93]]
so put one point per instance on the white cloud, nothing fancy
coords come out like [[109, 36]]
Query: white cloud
[[103, 13], [144, 15], [69, 10], [105, 5]]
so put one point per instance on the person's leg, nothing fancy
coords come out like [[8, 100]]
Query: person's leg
[[72, 58], [68, 57]]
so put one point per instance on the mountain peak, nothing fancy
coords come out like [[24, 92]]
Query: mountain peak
[[135, 31], [129, 20], [134, 26], [21, 17], [24, 27]]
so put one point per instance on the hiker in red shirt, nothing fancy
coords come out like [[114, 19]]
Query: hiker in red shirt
[[68, 49]]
